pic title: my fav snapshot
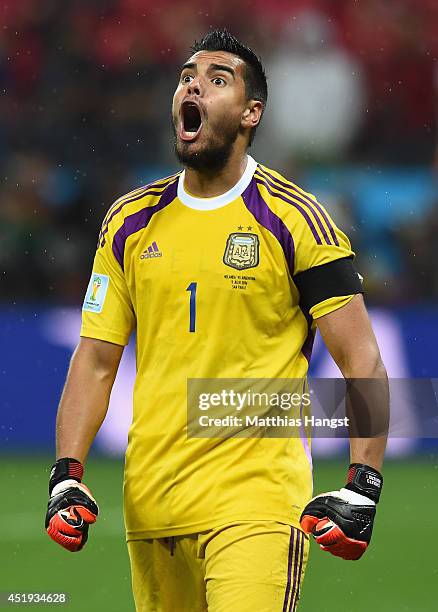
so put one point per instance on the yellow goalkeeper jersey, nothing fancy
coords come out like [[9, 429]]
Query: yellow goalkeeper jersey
[[223, 287]]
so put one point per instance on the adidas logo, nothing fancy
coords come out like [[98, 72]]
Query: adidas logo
[[151, 251]]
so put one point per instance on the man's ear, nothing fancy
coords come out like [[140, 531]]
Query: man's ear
[[252, 114]]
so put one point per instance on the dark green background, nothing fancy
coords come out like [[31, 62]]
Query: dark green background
[[398, 573]]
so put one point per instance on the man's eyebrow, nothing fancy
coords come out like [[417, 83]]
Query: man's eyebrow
[[188, 65], [223, 68]]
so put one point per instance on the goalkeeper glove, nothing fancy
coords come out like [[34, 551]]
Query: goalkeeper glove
[[342, 521], [71, 508]]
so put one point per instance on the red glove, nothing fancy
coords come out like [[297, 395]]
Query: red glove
[[342, 521], [71, 508]]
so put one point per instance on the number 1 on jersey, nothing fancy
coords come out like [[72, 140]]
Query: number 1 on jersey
[[192, 289]]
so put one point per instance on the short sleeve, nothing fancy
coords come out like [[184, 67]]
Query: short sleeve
[[107, 311], [329, 305]]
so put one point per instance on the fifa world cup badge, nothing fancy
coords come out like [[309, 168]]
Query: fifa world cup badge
[[242, 251], [96, 293]]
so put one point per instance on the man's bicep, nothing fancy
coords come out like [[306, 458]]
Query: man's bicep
[[348, 334], [101, 354]]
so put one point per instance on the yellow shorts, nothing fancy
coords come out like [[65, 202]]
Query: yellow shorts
[[241, 567]]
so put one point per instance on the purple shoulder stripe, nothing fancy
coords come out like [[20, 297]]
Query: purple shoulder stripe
[[294, 204], [263, 214], [300, 195], [140, 220], [136, 194], [294, 196], [146, 191]]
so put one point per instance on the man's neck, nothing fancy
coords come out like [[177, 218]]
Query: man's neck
[[210, 184]]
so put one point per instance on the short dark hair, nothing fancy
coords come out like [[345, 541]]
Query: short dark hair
[[256, 86]]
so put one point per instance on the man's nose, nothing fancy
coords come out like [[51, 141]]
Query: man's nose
[[194, 87]]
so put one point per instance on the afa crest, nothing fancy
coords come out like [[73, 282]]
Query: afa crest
[[242, 251]]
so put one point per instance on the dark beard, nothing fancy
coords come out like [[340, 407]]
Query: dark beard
[[211, 159]]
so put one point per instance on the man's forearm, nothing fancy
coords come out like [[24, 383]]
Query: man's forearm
[[368, 411], [85, 398], [369, 451]]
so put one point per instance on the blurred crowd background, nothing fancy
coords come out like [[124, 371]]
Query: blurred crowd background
[[85, 101]]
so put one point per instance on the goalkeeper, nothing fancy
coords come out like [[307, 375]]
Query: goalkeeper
[[214, 523]]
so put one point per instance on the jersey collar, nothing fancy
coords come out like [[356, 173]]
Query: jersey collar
[[220, 200]]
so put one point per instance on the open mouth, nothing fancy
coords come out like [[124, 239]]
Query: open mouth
[[191, 121]]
